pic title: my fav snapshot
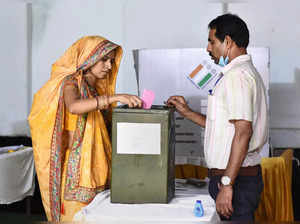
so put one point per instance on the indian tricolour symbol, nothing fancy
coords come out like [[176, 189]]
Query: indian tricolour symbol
[[203, 74]]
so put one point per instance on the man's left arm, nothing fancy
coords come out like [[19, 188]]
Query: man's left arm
[[239, 149], [240, 90]]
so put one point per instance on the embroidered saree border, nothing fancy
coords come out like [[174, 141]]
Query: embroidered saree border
[[102, 49], [72, 189], [56, 161]]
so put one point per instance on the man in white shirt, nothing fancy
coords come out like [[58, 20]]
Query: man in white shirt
[[236, 124]]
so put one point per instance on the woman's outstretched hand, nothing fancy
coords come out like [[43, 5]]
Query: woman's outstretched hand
[[130, 100]]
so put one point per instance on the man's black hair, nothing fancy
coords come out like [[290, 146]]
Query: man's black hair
[[233, 26]]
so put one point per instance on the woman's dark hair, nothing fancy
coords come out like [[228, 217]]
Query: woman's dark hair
[[233, 26]]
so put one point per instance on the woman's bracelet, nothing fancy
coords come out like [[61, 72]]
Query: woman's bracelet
[[102, 102], [97, 107]]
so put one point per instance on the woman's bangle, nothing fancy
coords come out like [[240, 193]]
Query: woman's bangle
[[97, 107], [107, 101], [102, 102]]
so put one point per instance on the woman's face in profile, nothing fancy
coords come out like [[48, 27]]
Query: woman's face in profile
[[101, 69]]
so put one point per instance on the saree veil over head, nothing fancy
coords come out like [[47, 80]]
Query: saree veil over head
[[89, 168]]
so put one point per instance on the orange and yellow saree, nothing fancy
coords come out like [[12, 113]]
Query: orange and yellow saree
[[69, 178]]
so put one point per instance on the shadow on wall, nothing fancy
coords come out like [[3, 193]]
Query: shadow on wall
[[284, 113], [21, 128], [41, 10], [297, 78]]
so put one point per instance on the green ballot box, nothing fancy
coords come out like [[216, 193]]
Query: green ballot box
[[143, 155]]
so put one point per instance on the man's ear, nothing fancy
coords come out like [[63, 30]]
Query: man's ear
[[228, 40]]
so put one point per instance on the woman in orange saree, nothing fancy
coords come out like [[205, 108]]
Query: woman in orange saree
[[69, 122]]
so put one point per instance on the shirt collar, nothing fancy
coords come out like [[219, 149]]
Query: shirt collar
[[236, 61]]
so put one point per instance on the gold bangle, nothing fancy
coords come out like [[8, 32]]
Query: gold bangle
[[97, 108], [105, 102], [102, 102]]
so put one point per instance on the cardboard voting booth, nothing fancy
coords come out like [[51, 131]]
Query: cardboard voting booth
[[189, 72]]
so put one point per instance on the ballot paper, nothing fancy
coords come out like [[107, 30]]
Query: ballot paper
[[147, 98]]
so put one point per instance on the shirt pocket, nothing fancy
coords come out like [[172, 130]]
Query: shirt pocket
[[211, 108]]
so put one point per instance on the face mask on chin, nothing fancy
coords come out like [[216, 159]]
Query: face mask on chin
[[223, 62]]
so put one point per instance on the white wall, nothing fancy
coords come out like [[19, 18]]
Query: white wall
[[133, 24], [148, 24], [57, 24], [14, 70], [275, 24], [163, 24]]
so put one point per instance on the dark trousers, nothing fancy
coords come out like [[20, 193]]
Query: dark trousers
[[246, 196]]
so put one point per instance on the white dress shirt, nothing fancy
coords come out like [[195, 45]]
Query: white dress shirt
[[238, 95]]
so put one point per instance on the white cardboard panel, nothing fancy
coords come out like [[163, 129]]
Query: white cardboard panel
[[165, 72]]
